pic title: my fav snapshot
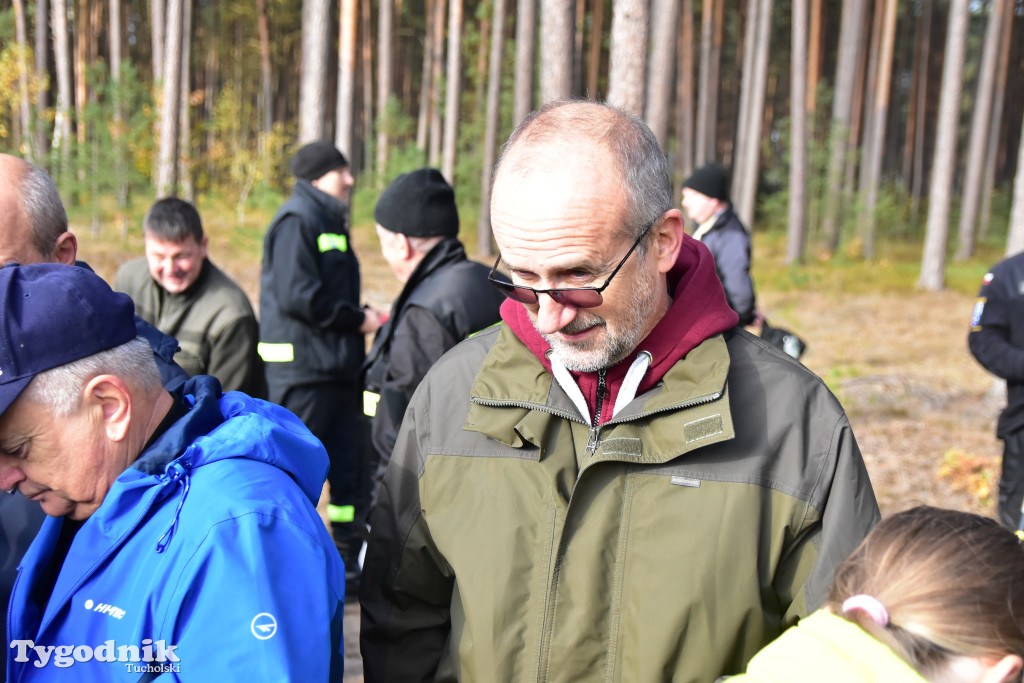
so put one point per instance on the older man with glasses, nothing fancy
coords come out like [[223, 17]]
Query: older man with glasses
[[617, 483]]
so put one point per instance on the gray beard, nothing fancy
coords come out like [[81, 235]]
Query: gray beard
[[592, 356]]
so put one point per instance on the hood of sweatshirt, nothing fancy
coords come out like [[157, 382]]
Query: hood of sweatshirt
[[699, 310]]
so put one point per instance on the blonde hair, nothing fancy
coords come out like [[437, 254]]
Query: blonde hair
[[952, 583]]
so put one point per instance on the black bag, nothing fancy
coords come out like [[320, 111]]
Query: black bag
[[783, 339]]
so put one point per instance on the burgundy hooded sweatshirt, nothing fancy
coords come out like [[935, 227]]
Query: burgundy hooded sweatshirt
[[699, 310]]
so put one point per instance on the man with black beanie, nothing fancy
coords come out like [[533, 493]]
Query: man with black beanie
[[706, 202], [312, 326], [446, 298]]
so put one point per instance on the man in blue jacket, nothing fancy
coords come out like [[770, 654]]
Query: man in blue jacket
[[182, 536], [35, 230]]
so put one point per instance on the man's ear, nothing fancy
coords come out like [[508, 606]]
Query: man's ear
[[109, 400], [668, 239], [66, 249]]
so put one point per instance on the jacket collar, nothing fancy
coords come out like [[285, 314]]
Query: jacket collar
[[334, 209], [699, 310], [515, 380]]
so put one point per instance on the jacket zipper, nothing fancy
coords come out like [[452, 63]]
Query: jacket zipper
[[595, 429]]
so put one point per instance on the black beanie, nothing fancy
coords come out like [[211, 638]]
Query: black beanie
[[711, 180], [419, 204], [316, 159]]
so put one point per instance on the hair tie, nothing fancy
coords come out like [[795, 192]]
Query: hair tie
[[869, 605]]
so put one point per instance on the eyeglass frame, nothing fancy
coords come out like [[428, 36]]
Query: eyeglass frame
[[557, 292]]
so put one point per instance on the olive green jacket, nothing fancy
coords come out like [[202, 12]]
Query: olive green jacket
[[701, 521]]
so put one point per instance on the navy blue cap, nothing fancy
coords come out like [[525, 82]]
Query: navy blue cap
[[54, 314]]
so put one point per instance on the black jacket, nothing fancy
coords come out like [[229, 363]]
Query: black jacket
[[729, 243], [309, 294], [997, 336], [446, 299]]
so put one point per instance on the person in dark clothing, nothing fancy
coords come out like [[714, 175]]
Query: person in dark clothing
[[312, 327], [706, 201], [445, 299], [996, 340], [35, 230]]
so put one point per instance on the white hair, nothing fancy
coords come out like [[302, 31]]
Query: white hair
[[60, 388]]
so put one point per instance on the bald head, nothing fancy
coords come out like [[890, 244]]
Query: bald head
[[33, 223], [567, 134]]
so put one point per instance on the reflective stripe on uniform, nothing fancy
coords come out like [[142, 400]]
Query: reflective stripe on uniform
[[341, 513], [329, 240], [276, 353], [370, 400]]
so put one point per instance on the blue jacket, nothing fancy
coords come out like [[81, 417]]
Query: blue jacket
[[210, 542]]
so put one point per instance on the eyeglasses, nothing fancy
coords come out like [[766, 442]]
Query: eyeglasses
[[577, 297]]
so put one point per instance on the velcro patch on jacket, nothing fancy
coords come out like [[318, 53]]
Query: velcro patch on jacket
[[703, 428], [627, 446]]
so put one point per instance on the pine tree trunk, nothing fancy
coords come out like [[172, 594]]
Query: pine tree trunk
[[974, 173], [312, 87], [1015, 240], [423, 118], [798, 135], [454, 78], [24, 105], [526, 42], [933, 260], [842, 111], [157, 24], [684, 98], [744, 201], [385, 22], [437, 67], [62, 57], [994, 122], [42, 50], [556, 41], [185, 121], [872, 164], [167, 161], [661, 76], [627, 58], [483, 244], [343, 133]]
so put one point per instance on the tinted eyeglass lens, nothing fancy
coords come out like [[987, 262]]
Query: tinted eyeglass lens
[[523, 296], [579, 298]]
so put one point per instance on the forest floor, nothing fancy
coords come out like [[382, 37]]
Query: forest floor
[[922, 409]]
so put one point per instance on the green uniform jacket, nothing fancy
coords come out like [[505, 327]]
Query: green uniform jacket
[[212, 320], [512, 542], [824, 647]]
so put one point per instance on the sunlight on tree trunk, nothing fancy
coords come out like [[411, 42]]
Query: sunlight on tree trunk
[[454, 79], [940, 195], [1015, 243], [312, 88], [974, 173], [627, 58], [556, 41], [167, 161], [483, 245], [798, 135], [526, 41]]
